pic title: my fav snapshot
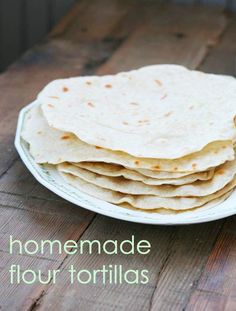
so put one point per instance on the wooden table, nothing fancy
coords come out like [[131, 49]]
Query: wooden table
[[191, 267]]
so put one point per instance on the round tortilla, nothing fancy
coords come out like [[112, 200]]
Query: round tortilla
[[145, 202], [223, 175], [112, 170], [160, 111], [48, 145]]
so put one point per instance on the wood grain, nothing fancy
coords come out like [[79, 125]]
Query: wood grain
[[124, 35], [222, 58], [38, 220], [173, 37]]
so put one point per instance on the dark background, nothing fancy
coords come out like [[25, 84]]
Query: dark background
[[24, 22]]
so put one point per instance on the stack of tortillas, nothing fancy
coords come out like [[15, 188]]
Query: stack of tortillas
[[160, 138]]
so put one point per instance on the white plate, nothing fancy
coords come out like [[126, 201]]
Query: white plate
[[50, 178]]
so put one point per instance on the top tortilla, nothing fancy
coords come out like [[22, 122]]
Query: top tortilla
[[160, 111], [49, 145]]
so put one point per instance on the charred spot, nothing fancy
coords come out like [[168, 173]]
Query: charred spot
[[88, 82], [220, 172], [136, 162], [108, 86], [156, 167], [90, 104], [64, 137], [65, 89], [158, 82], [97, 147]]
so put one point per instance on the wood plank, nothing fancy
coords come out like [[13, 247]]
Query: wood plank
[[180, 252], [189, 36], [222, 58], [189, 246], [18, 180], [37, 220], [216, 288]]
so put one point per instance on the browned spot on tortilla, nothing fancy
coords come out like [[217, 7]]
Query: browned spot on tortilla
[[220, 172], [175, 168], [156, 167], [65, 137], [223, 147], [88, 82], [39, 132], [65, 89], [97, 147], [234, 120], [50, 106], [136, 162], [134, 104], [90, 104], [109, 86], [168, 114], [158, 82], [125, 123], [191, 107], [194, 165], [164, 96], [143, 121], [53, 97], [215, 151]]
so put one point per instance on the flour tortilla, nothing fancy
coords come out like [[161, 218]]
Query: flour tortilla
[[165, 174], [144, 201], [160, 111], [112, 170], [165, 211], [223, 175], [48, 145]]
